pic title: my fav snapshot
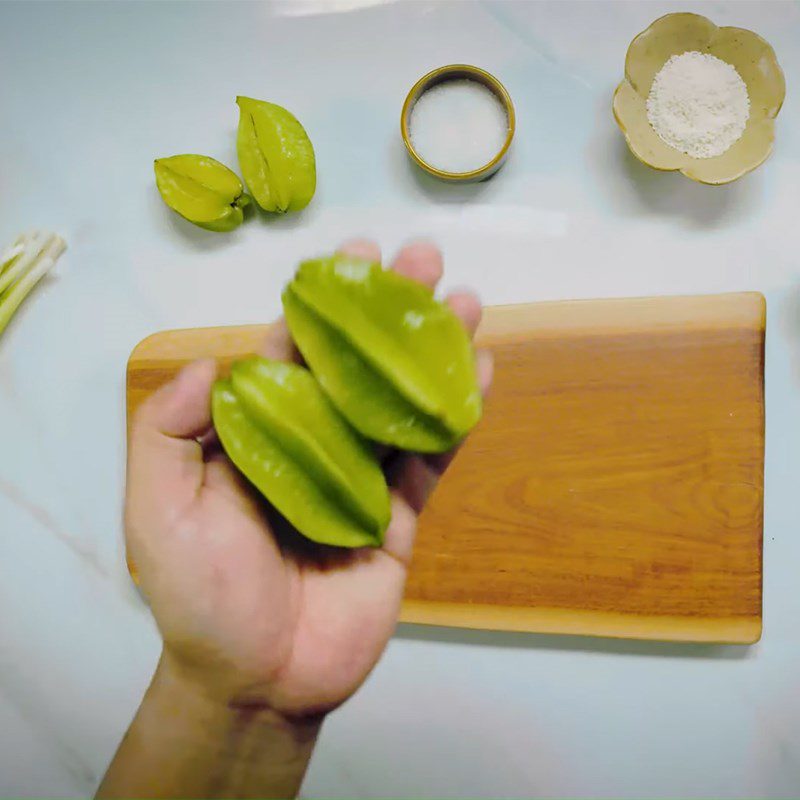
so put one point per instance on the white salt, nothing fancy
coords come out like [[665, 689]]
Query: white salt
[[458, 125], [698, 104]]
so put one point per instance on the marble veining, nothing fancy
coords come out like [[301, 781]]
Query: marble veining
[[570, 215]]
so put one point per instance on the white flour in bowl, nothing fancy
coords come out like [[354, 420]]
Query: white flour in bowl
[[698, 104]]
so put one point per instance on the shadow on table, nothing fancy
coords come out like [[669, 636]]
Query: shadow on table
[[202, 240], [630, 187], [190, 235], [581, 644], [408, 176]]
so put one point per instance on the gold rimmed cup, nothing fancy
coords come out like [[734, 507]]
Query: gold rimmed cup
[[456, 72]]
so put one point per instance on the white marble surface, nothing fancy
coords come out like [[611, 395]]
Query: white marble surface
[[90, 94]]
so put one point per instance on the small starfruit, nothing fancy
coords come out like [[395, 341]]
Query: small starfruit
[[397, 363], [285, 436], [275, 155], [201, 190]]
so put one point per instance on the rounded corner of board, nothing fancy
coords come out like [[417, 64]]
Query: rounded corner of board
[[754, 632], [759, 305], [141, 347]]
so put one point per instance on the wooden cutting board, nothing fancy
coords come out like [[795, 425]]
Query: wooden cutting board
[[615, 484]]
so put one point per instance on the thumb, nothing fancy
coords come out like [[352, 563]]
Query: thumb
[[181, 408], [165, 460]]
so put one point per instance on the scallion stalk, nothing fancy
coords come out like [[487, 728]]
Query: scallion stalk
[[22, 266]]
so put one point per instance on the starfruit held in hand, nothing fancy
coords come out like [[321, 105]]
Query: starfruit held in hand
[[275, 155], [397, 363], [201, 190], [285, 436]]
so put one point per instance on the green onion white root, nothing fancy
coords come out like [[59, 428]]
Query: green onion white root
[[22, 266]]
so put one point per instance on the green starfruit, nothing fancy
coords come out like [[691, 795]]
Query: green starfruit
[[201, 190], [275, 155], [397, 363], [285, 436]]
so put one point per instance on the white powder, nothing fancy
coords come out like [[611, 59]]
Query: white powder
[[698, 104], [458, 125]]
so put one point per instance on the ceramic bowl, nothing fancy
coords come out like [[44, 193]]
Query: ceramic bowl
[[454, 72], [754, 60]]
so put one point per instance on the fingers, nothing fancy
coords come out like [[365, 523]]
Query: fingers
[[399, 539], [467, 307], [423, 262], [278, 344], [420, 261], [414, 481], [180, 409], [484, 366]]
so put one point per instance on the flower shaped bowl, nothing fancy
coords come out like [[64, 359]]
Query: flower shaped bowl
[[754, 60]]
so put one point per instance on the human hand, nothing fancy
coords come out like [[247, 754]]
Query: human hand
[[254, 621]]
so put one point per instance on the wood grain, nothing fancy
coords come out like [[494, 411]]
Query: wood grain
[[615, 484]]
